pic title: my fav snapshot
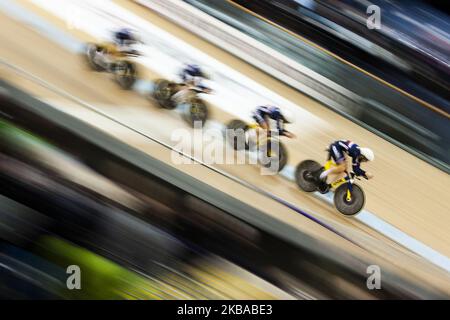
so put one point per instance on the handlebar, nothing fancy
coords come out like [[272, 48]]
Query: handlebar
[[354, 176], [287, 136], [132, 53], [199, 90]]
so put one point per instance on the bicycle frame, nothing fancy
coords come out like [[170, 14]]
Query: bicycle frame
[[261, 141], [255, 126], [111, 49]]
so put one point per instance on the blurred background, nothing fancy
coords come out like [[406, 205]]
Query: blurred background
[[87, 176]]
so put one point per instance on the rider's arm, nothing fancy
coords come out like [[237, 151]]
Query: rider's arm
[[183, 75], [357, 168], [280, 127], [288, 134], [203, 87], [282, 131]]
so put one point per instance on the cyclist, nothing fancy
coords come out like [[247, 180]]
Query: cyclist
[[192, 77], [119, 46], [263, 114], [337, 151], [124, 39]]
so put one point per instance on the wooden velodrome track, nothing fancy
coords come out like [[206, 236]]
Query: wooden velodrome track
[[406, 192]]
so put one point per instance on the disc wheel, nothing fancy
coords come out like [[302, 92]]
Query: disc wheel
[[196, 112], [163, 93], [303, 175], [237, 134], [91, 52], [125, 74], [354, 205], [274, 155]]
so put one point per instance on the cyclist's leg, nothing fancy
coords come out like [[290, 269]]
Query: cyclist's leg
[[259, 119], [180, 95], [108, 53], [338, 158], [109, 47]]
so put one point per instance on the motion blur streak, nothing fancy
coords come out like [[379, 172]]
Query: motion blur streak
[[424, 103], [34, 168], [178, 151], [86, 179]]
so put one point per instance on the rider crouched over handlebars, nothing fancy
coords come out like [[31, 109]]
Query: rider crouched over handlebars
[[263, 114], [192, 78], [337, 151], [124, 39], [121, 44]]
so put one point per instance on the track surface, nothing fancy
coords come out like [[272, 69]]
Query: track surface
[[406, 192]]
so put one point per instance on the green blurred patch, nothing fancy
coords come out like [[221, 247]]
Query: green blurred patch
[[11, 133], [100, 277]]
